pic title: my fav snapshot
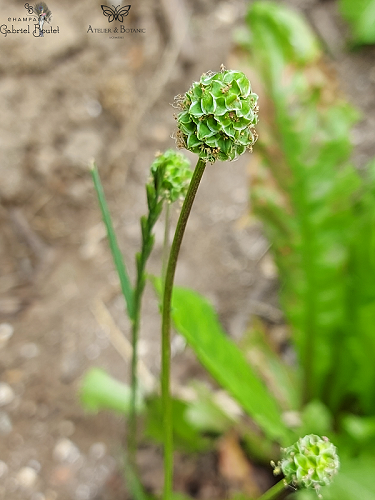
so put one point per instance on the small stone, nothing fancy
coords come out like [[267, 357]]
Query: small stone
[[97, 451], [66, 451], [34, 464], [39, 430], [6, 331], [6, 394], [82, 492], [178, 345], [268, 267], [70, 368], [61, 475], [5, 424], [29, 350], [101, 473], [226, 13], [94, 108], [27, 477]]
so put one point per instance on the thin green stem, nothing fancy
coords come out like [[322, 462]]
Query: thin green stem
[[274, 492], [166, 327], [166, 241], [132, 432], [155, 204]]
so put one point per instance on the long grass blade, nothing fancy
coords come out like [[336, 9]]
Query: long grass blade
[[116, 253]]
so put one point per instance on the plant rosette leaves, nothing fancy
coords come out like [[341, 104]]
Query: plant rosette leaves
[[196, 320]]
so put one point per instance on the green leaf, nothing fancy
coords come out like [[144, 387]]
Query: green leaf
[[196, 320], [361, 429], [150, 192], [289, 32], [316, 419], [99, 391], [361, 17], [116, 253]]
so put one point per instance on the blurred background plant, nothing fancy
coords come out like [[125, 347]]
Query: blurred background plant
[[361, 18]]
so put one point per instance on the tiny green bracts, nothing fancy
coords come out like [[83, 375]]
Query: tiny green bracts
[[176, 174], [217, 117]]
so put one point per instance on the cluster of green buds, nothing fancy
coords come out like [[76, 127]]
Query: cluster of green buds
[[311, 462], [217, 117], [175, 175]]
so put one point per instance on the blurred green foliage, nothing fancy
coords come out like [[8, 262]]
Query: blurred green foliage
[[100, 391], [360, 15], [318, 214]]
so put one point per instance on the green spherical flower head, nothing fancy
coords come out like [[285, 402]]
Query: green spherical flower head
[[218, 116], [312, 462], [175, 174]]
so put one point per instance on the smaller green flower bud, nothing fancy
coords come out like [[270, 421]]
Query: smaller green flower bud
[[311, 462], [217, 117], [176, 174]]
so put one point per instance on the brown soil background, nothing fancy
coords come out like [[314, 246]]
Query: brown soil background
[[63, 100]]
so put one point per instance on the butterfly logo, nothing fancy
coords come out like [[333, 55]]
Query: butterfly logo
[[115, 13]]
